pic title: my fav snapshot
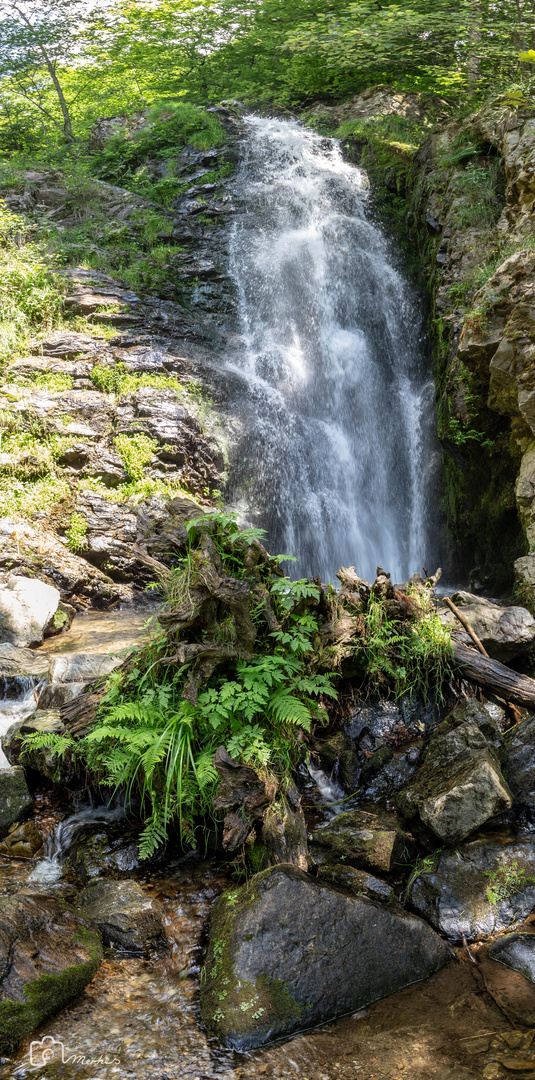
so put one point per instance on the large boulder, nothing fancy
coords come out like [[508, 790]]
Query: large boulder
[[42, 760], [16, 803], [287, 952], [27, 606], [482, 888], [18, 665], [48, 954], [372, 841], [124, 914], [519, 767], [505, 631], [459, 785]]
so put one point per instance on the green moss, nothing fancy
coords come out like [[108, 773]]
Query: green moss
[[47, 995]]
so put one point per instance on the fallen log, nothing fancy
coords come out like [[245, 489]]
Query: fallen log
[[494, 676]]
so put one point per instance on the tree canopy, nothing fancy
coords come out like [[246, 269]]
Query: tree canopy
[[65, 62]]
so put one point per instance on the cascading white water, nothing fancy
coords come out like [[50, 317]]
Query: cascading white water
[[335, 402]]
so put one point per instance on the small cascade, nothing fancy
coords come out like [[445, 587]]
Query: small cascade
[[333, 798], [49, 869], [21, 695]]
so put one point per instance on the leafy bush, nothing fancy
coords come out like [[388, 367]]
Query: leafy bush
[[30, 292], [169, 126], [405, 657]]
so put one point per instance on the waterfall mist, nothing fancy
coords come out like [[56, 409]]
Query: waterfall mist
[[335, 450]]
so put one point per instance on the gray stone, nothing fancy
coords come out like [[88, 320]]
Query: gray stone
[[357, 882], [504, 631], [123, 913], [459, 785], [48, 954], [287, 952], [16, 803], [516, 951], [22, 663], [373, 841], [26, 607], [519, 767], [81, 667], [96, 850], [47, 763], [482, 888]]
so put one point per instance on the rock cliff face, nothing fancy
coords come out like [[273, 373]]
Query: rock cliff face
[[111, 417], [473, 184]]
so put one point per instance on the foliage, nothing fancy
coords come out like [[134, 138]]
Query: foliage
[[119, 380], [77, 532], [136, 451], [30, 292], [505, 881], [152, 740], [407, 657]]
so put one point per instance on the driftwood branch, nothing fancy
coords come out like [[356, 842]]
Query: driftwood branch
[[464, 622], [494, 676]]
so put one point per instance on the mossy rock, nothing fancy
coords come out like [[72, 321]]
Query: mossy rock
[[287, 952], [48, 954]]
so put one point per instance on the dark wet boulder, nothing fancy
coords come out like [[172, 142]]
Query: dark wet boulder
[[519, 767], [16, 803], [23, 840], [481, 888], [98, 850], [516, 951], [124, 914], [459, 784], [287, 952], [357, 883], [48, 954], [372, 841]]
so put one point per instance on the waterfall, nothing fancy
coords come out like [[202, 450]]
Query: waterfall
[[335, 445]]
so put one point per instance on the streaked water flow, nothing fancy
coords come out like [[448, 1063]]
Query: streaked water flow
[[337, 408]]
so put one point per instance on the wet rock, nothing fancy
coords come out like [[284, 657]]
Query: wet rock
[[40, 550], [338, 758], [386, 772], [124, 914], [17, 664], [23, 840], [97, 851], [287, 952], [48, 954], [16, 803], [459, 785], [27, 606], [41, 760], [505, 632], [357, 883], [517, 951], [514, 993], [61, 621], [519, 767], [374, 841], [482, 888]]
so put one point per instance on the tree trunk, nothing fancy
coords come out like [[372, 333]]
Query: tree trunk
[[494, 676]]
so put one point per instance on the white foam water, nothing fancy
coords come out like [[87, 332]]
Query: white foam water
[[336, 402]]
